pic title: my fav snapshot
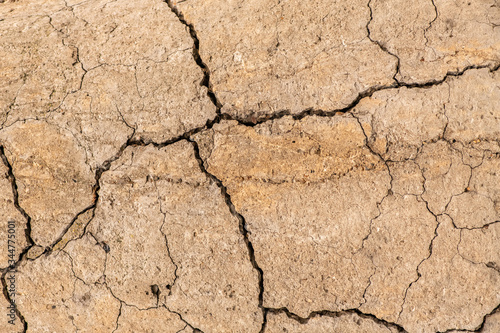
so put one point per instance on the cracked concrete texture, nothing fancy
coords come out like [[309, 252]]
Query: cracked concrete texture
[[203, 166]]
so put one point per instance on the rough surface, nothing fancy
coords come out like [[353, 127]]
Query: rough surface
[[347, 323], [55, 298], [492, 323], [250, 166], [432, 38], [445, 286], [287, 55], [308, 194], [178, 235], [54, 182], [109, 68], [135, 320], [12, 220], [397, 244]]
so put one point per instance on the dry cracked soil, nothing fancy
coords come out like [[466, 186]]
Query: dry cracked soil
[[250, 166]]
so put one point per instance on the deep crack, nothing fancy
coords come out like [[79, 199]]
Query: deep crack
[[27, 231], [242, 226], [196, 56], [335, 314], [12, 179]]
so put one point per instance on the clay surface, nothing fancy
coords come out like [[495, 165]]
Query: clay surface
[[250, 166]]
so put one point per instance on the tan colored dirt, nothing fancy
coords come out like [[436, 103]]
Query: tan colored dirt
[[250, 166]]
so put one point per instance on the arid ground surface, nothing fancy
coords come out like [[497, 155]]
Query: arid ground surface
[[250, 166]]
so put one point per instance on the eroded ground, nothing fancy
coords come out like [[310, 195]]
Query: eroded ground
[[255, 166]]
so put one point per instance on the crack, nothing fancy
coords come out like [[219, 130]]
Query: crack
[[431, 22], [122, 303], [169, 286], [196, 56], [76, 51], [381, 46], [386, 163], [12, 301], [72, 266], [484, 226], [195, 329], [252, 120], [27, 232], [490, 265], [419, 275], [24, 77], [92, 207], [335, 314], [95, 190], [118, 317], [242, 227], [13, 182], [369, 278], [182, 329], [379, 204], [481, 326]]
